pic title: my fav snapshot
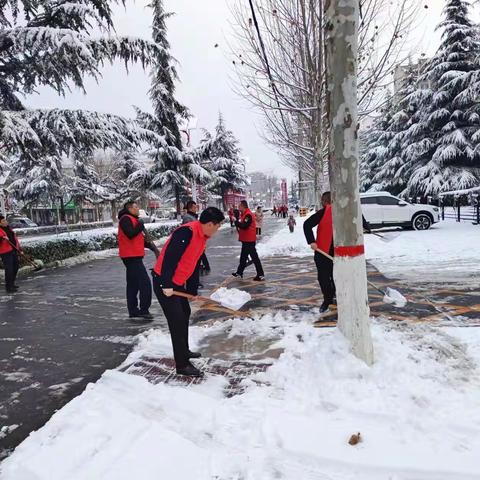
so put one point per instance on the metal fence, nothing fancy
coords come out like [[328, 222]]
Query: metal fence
[[462, 213]]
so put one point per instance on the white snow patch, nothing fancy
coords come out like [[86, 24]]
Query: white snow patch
[[416, 409], [231, 298]]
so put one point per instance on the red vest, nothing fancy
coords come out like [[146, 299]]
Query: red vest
[[5, 246], [248, 234], [187, 264], [131, 247], [325, 231]]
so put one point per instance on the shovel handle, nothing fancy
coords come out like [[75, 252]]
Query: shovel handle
[[324, 254], [189, 296]]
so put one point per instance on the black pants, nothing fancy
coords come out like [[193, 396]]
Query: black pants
[[248, 249], [138, 281], [259, 230], [204, 262], [177, 312], [325, 277], [291, 229], [10, 264]]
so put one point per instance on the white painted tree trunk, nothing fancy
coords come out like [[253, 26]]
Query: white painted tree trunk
[[350, 272]]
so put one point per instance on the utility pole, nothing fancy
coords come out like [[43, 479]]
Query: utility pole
[[350, 272]]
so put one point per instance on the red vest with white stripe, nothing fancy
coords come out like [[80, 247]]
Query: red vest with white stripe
[[248, 234], [325, 230], [187, 264], [5, 246], [131, 247]]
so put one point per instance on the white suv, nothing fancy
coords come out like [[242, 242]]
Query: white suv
[[381, 209]]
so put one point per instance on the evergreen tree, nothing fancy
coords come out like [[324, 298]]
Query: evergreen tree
[[49, 43], [441, 148], [173, 166], [224, 161], [374, 143], [404, 111]]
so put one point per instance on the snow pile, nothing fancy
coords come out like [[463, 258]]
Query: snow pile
[[394, 297], [416, 409], [286, 243], [231, 298], [447, 251]]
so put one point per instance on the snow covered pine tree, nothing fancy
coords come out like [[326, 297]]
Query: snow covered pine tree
[[48, 43], [439, 148], [172, 166], [224, 161]]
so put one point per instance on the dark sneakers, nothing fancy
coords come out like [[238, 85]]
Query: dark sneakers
[[324, 308], [143, 315], [237, 275], [189, 371], [194, 354], [259, 278]]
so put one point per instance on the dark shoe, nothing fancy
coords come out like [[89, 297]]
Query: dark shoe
[[237, 275], [259, 278], [194, 354], [324, 308], [146, 315], [189, 371]]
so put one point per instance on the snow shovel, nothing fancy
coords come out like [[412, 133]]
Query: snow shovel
[[385, 238], [391, 295], [208, 299], [37, 267]]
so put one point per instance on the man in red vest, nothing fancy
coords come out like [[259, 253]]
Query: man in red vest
[[177, 269], [9, 251], [131, 246], [247, 234], [324, 242]]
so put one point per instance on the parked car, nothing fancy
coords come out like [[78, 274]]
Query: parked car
[[382, 209], [19, 221]]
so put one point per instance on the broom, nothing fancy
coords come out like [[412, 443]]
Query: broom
[[37, 267]]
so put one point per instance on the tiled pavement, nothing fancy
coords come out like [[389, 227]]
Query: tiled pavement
[[292, 285], [292, 282]]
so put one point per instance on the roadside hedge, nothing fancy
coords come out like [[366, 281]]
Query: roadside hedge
[[57, 249]]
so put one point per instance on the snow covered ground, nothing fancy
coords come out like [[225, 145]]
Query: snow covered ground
[[448, 252], [416, 409]]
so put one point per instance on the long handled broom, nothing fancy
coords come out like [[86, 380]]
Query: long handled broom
[[36, 266]]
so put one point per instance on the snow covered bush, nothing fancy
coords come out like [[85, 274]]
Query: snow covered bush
[[56, 249]]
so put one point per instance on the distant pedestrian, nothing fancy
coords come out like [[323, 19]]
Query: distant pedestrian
[[10, 250], [274, 210], [231, 217], [247, 234], [297, 208], [132, 241], [259, 220], [176, 269], [191, 216], [291, 223]]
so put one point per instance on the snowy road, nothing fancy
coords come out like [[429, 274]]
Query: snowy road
[[66, 327]]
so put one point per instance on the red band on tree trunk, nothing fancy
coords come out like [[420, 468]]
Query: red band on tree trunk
[[354, 251]]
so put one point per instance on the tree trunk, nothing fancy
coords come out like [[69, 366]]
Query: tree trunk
[[62, 211], [177, 200], [350, 271]]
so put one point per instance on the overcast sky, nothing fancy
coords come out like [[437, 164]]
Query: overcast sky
[[205, 72]]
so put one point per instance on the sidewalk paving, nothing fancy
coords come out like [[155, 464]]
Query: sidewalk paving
[[292, 286]]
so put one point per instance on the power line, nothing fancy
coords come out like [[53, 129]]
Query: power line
[[265, 58]]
